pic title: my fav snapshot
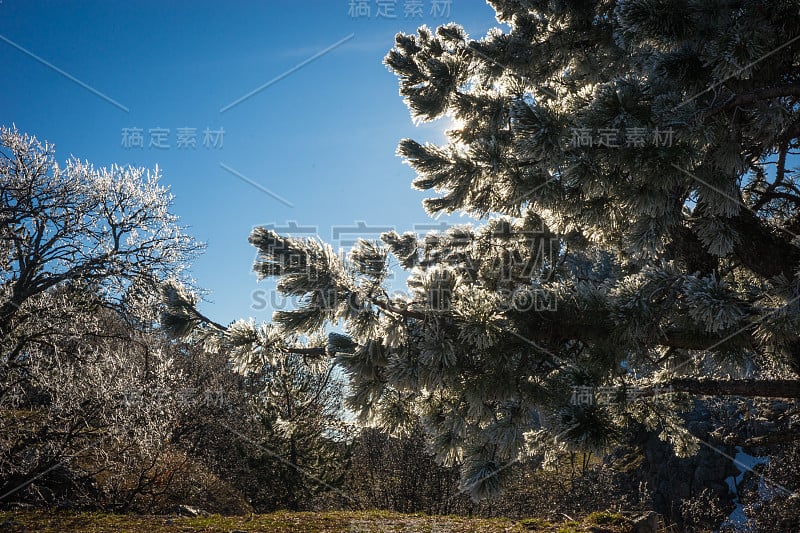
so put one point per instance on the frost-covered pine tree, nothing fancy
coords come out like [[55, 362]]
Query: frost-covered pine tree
[[631, 164]]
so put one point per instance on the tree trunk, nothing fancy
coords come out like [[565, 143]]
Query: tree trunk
[[750, 388]]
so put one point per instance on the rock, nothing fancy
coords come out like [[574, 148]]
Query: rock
[[189, 511], [645, 523], [673, 479], [19, 506]]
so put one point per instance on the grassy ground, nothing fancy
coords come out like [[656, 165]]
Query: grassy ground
[[344, 522]]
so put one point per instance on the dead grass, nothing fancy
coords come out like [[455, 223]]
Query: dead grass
[[284, 521]]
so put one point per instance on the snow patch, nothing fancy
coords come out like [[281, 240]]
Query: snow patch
[[744, 462]]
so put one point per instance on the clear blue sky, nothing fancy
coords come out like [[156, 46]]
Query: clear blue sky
[[322, 139]]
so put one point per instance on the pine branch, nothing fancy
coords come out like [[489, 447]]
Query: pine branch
[[738, 100], [780, 173], [779, 437], [746, 388]]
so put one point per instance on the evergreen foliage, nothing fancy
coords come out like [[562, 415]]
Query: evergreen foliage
[[660, 262]]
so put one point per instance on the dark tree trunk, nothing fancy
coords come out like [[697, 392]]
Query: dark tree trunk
[[749, 388]]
